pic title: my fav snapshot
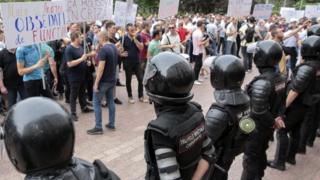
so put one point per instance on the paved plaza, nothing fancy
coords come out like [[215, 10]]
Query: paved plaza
[[122, 150]]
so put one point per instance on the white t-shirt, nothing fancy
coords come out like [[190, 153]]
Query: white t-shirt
[[291, 41], [231, 28], [197, 36], [173, 40]]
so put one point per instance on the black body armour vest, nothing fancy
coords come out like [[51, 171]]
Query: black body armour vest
[[185, 127]]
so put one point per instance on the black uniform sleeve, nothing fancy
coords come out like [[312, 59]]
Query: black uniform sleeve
[[216, 123], [260, 97], [302, 78]]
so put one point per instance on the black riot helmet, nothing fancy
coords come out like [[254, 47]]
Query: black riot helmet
[[310, 50], [227, 72], [314, 30], [227, 75], [169, 79], [38, 135], [268, 53]]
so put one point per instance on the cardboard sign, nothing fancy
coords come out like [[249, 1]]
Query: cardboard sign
[[312, 11], [262, 11], [288, 13], [27, 23], [239, 8], [124, 13], [168, 8], [89, 10]]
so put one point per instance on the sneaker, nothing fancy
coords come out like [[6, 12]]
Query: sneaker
[[131, 100], [95, 131], [143, 100], [117, 101], [200, 80], [112, 128], [74, 117], [86, 110], [104, 104], [197, 82]]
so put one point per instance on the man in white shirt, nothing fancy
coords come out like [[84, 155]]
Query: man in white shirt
[[198, 49], [291, 44], [222, 33], [231, 32], [171, 40]]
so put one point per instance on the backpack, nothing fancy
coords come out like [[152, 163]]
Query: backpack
[[249, 34]]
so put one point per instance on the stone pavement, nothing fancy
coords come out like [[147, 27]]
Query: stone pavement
[[122, 150]]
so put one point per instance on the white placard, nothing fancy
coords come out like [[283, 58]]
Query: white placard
[[124, 13], [288, 13], [168, 8], [299, 14], [262, 11], [89, 10], [239, 8], [312, 11], [27, 23]]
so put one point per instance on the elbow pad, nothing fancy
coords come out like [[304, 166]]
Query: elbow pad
[[302, 78], [260, 94]]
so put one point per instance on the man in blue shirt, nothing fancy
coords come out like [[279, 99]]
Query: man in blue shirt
[[105, 82], [76, 62], [30, 65]]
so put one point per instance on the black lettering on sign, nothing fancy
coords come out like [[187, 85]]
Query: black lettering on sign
[[191, 139]]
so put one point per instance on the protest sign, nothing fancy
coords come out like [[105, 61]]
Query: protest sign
[[262, 11], [124, 13], [239, 8], [312, 11], [27, 23], [288, 13], [168, 8], [89, 10], [299, 14]]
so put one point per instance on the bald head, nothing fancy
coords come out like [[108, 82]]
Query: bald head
[[103, 37]]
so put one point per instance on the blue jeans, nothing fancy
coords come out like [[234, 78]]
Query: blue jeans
[[105, 89], [231, 48]]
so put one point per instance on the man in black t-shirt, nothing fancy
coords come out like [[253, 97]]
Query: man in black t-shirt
[[10, 81], [76, 62], [105, 82], [132, 46]]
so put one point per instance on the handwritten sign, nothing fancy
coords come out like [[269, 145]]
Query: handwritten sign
[[288, 13], [124, 13], [312, 11], [168, 8], [33, 22], [239, 8], [262, 11], [299, 14], [89, 10]]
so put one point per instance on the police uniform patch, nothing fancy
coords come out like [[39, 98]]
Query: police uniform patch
[[191, 139]]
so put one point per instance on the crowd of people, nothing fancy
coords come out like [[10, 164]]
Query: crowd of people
[[85, 65]]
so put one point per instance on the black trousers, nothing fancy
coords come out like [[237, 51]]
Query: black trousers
[[255, 157], [247, 58], [67, 87], [34, 88], [131, 69], [222, 43], [198, 65], [77, 90], [287, 146], [309, 126], [293, 57]]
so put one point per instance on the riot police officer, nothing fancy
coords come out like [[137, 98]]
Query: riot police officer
[[39, 138], [312, 118], [227, 123], [267, 99], [304, 93], [175, 141]]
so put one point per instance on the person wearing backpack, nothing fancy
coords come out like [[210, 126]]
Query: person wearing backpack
[[247, 32]]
